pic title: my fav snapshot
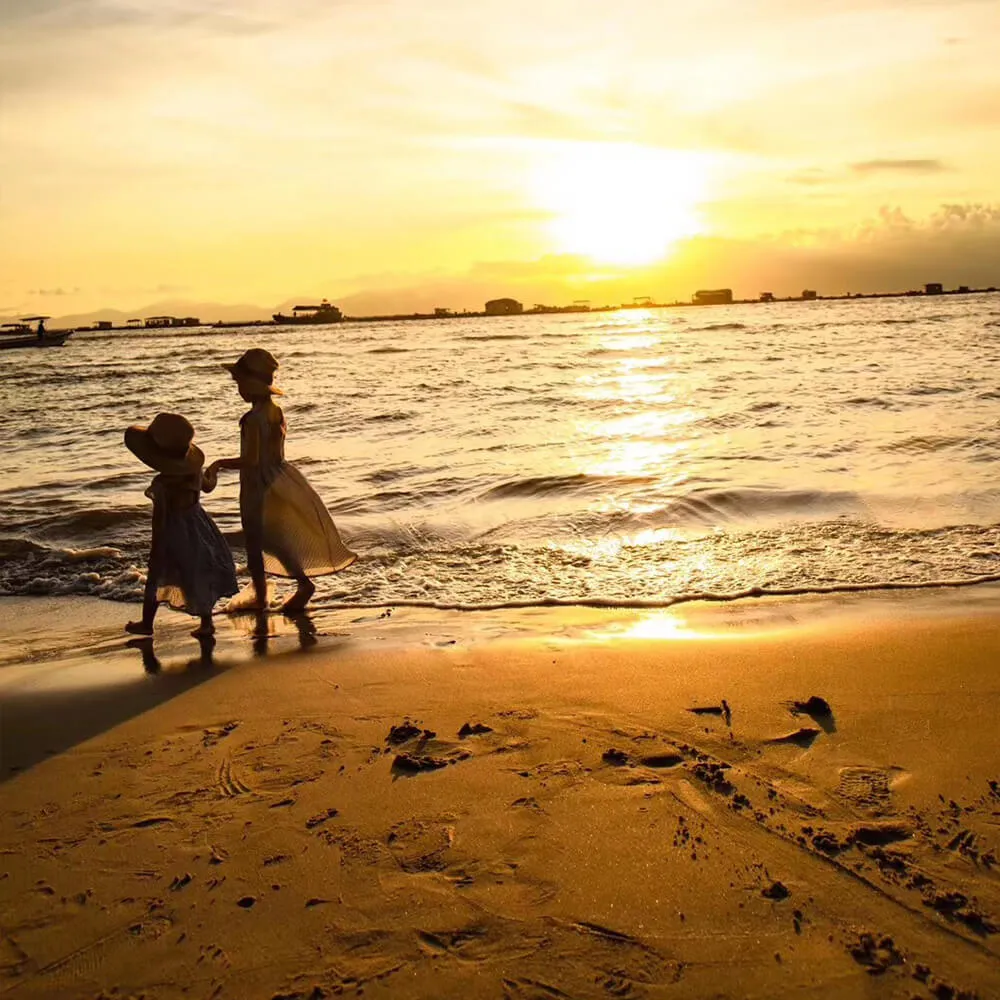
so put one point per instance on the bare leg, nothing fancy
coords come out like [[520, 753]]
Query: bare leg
[[255, 563], [206, 628], [149, 606], [297, 602]]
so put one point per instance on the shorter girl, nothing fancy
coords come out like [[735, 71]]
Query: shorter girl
[[288, 530], [190, 565]]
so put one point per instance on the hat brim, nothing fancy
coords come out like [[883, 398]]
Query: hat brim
[[242, 375], [141, 444]]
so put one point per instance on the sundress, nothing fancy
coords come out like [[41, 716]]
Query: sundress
[[277, 505], [194, 567]]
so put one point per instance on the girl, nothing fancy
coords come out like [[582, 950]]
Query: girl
[[288, 530], [190, 565]]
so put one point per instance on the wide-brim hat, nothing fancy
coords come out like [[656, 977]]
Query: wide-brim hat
[[255, 369], [166, 445]]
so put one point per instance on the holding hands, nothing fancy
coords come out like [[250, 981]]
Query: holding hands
[[210, 477]]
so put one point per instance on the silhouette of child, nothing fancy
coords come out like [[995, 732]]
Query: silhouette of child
[[288, 530], [190, 565]]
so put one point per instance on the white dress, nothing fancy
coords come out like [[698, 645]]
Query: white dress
[[194, 566], [294, 528]]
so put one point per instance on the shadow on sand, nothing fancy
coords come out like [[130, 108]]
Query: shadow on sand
[[61, 704]]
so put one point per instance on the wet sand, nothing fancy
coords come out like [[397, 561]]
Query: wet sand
[[694, 805]]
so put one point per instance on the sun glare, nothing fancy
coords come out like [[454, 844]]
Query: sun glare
[[621, 203]]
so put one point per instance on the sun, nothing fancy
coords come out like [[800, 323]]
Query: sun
[[620, 203]]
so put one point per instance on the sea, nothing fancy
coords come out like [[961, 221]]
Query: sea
[[637, 458]]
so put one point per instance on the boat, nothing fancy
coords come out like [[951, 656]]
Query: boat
[[325, 312], [46, 340]]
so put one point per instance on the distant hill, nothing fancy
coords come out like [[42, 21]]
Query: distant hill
[[207, 312]]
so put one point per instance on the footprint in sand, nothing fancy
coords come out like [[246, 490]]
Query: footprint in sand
[[865, 786], [531, 989], [229, 784], [420, 845]]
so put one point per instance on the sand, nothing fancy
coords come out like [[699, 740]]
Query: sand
[[542, 816]]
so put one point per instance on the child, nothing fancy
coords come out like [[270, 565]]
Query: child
[[288, 530], [190, 565]]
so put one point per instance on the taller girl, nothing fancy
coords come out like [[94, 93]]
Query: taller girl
[[287, 529]]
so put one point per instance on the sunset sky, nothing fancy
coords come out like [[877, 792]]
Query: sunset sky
[[401, 154]]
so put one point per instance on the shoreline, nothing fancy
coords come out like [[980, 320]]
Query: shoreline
[[69, 672], [521, 807]]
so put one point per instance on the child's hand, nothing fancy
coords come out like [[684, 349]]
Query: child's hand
[[210, 478]]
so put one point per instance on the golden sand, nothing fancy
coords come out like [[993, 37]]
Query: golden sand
[[537, 818]]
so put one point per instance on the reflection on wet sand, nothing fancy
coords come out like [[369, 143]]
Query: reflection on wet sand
[[151, 663]]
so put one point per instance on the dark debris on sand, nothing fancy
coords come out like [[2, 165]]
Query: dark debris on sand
[[407, 731], [957, 906], [776, 891], [816, 708], [876, 954], [804, 737], [813, 707], [473, 729], [411, 763], [723, 710]]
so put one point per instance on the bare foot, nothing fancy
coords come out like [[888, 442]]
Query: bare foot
[[139, 628], [246, 600], [300, 598]]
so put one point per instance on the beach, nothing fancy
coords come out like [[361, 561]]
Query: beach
[[756, 799]]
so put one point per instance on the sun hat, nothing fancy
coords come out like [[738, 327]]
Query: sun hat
[[256, 366], [165, 445]]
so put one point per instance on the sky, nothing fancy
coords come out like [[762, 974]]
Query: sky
[[394, 155]]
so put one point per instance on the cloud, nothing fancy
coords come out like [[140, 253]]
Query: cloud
[[903, 166]]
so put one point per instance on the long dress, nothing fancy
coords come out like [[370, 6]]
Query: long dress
[[192, 563], [279, 508]]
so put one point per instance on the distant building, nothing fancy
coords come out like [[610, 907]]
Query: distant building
[[767, 296], [441, 311], [809, 294], [504, 307], [157, 321], [963, 289], [713, 297], [934, 288], [188, 321], [133, 322], [103, 324]]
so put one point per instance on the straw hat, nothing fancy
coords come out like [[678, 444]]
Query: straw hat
[[255, 369], [165, 445]]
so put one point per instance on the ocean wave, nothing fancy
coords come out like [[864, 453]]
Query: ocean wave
[[745, 505], [84, 525], [441, 563], [922, 443], [27, 568], [874, 401], [495, 336], [537, 486], [718, 326], [394, 416], [389, 350], [653, 603]]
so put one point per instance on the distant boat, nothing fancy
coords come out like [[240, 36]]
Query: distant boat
[[325, 312], [46, 340]]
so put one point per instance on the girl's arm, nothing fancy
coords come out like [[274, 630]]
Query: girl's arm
[[249, 453]]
